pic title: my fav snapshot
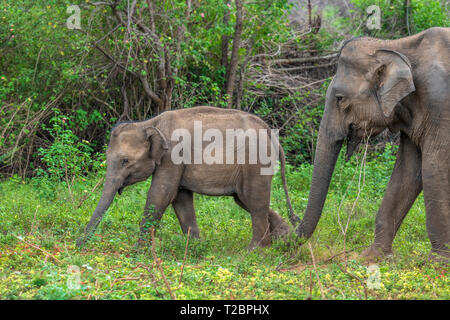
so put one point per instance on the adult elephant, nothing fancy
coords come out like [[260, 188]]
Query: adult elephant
[[403, 85]]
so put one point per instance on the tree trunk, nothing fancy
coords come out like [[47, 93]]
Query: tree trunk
[[242, 69], [309, 15], [225, 40], [407, 14], [234, 53]]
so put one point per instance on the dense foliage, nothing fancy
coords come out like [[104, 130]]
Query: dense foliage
[[166, 55]]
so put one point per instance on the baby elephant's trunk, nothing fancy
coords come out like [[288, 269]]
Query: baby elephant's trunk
[[107, 197]]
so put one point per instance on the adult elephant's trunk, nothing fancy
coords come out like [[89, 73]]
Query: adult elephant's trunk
[[331, 136], [109, 191], [327, 153]]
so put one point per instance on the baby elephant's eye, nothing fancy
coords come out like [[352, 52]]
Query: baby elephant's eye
[[124, 162], [339, 99]]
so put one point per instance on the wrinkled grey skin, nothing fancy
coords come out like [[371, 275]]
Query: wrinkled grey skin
[[139, 150], [403, 85]]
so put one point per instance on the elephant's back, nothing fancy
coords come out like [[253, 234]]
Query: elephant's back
[[214, 117]]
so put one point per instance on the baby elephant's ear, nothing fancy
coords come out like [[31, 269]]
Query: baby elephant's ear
[[393, 79], [158, 143]]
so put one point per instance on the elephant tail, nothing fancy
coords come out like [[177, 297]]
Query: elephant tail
[[292, 217]]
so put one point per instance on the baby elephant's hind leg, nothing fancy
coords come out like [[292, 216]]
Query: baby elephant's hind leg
[[184, 209], [260, 224], [278, 227]]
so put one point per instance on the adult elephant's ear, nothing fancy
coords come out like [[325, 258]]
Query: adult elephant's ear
[[158, 143], [393, 79]]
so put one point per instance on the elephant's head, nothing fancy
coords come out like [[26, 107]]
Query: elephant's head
[[133, 153], [370, 81]]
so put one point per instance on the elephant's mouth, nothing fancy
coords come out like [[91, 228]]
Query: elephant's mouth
[[353, 142], [124, 184]]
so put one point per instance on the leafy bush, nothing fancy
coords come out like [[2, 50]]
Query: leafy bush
[[430, 13], [68, 156], [422, 14], [45, 68]]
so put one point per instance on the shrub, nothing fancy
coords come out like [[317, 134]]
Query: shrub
[[67, 156]]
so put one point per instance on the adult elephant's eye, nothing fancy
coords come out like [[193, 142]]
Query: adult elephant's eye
[[124, 162], [338, 100]]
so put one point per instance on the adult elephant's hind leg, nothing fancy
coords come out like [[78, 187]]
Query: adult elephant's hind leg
[[184, 209], [403, 188], [436, 190]]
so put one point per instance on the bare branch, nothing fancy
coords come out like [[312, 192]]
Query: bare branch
[[305, 60]]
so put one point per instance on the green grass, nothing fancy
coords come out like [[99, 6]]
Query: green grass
[[35, 214]]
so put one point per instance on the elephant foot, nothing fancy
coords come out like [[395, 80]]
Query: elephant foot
[[193, 233], [80, 242], [143, 242], [140, 246], [262, 243], [439, 256], [280, 230], [278, 227], [374, 253]]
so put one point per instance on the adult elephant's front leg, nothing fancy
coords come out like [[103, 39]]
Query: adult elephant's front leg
[[403, 188], [163, 191]]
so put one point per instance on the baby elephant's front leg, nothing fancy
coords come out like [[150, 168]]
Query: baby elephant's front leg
[[162, 192]]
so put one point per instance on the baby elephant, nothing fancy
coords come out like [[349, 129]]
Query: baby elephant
[[211, 151]]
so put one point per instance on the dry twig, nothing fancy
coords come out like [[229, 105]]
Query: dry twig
[[89, 193], [185, 255], [47, 254], [315, 269], [158, 263]]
